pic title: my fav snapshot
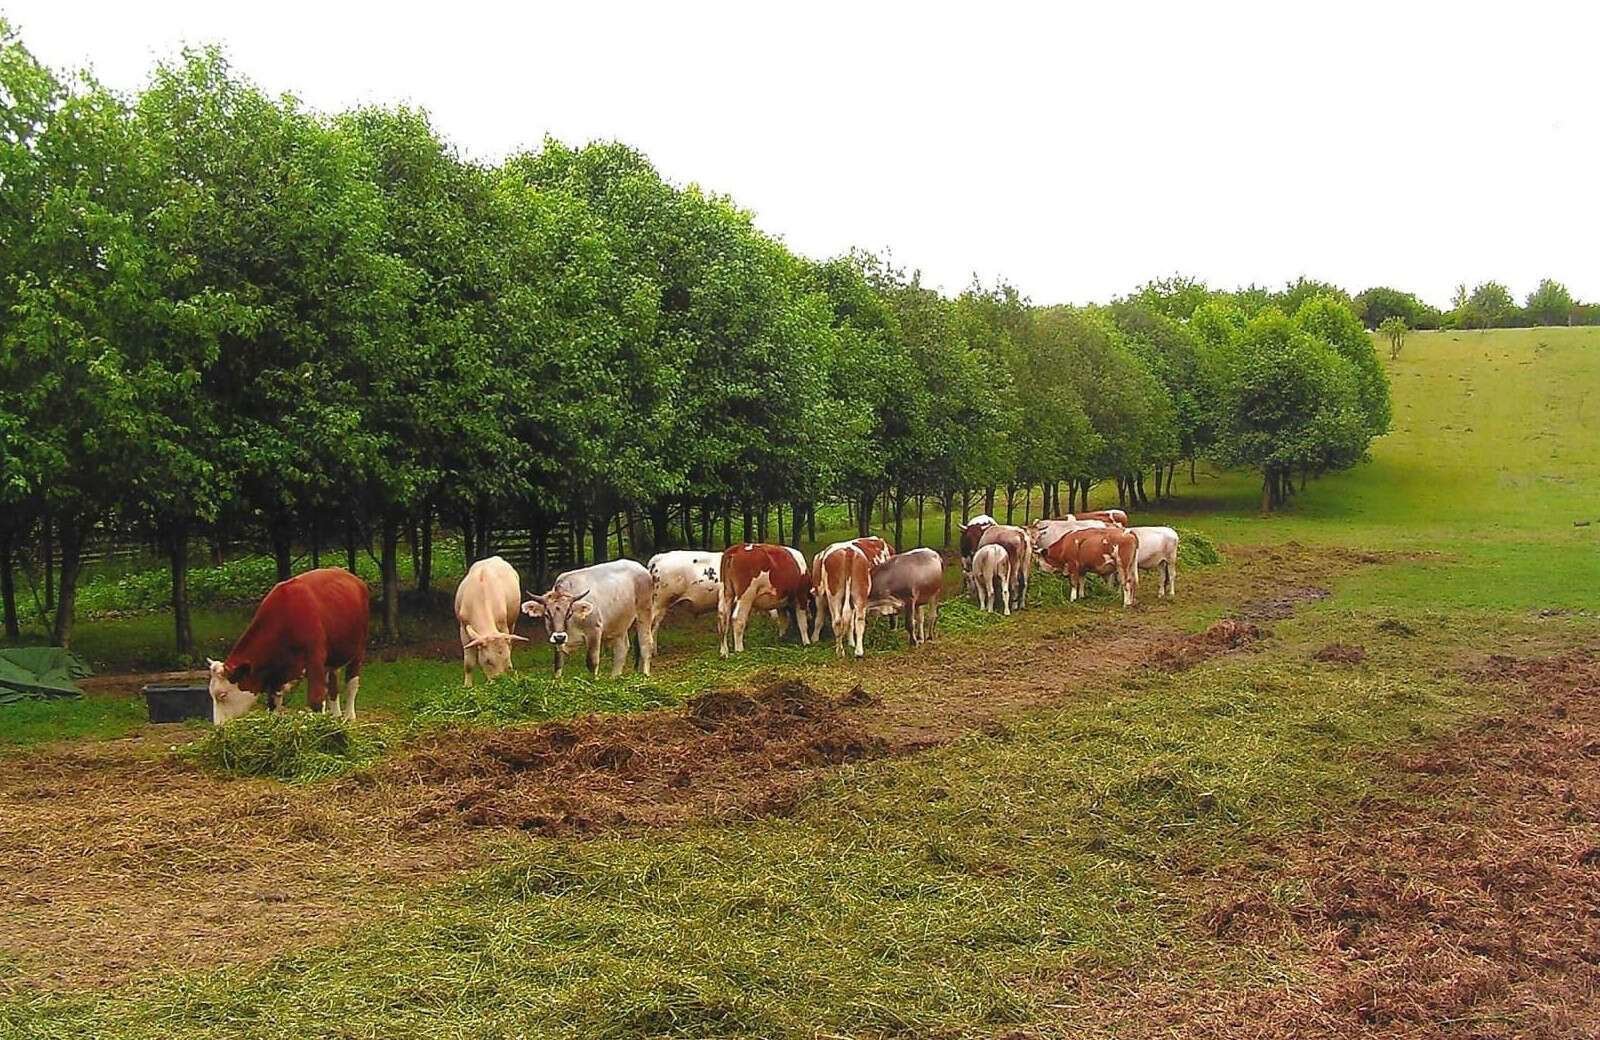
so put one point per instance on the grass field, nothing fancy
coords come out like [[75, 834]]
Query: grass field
[[1044, 836]]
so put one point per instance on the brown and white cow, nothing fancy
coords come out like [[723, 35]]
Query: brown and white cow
[[910, 584], [1108, 552], [876, 549], [1110, 516], [310, 625], [1019, 553], [759, 576], [1046, 533], [841, 579], [488, 603], [971, 533]]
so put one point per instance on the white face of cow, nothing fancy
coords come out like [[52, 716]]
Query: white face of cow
[[561, 610], [228, 701], [494, 651]]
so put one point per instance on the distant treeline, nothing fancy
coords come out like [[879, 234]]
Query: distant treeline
[[225, 317], [1488, 306]]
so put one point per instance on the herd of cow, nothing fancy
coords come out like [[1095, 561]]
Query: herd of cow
[[316, 623]]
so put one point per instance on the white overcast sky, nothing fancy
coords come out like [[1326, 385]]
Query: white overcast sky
[[1075, 149]]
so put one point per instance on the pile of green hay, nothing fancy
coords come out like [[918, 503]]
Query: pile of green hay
[[297, 746]]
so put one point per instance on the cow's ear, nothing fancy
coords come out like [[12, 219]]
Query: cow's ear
[[582, 611], [533, 608]]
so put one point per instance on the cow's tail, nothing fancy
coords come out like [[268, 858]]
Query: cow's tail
[[729, 593]]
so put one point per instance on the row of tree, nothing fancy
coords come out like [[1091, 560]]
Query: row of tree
[[223, 316], [1489, 305]]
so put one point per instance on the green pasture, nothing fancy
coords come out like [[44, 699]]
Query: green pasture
[[960, 891]]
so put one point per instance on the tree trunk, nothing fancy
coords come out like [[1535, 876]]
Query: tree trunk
[[283, 553], [350, 544], [390, 566], [688, 523], [217, 554], [1138, 486], [1027, 507], [1011, 501], [316, 544], [660, 524], [71, 564], [47, 549], [727, 524], [749, 523], [988, 500], [424, 573], [921, 499], [1191, 469], [782, 540], [811, 522], [864, 515], [8, 585], [949, 502], [899, 500], [178, 554], [966, 506], [599, 528]]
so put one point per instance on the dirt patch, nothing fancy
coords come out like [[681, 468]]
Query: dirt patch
[[1341, 653], [1464, 903], [724, 753], [1283, 605], [1220, 637]]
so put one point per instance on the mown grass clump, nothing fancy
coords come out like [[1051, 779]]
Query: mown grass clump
[[1195, 549], [294, 746], [521, 697]]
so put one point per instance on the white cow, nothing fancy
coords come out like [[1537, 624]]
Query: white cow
[[488, 602], [683, 576], [990, 565], [1158, 547], [604, 603]]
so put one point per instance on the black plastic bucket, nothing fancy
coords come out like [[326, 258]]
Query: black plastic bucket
[[176, 702]]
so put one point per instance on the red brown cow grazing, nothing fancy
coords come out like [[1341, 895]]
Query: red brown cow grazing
[[910, 584], [841, 578], [760, 577], [1019, 553], [1110, 516], [311, 625], [1105, 551]]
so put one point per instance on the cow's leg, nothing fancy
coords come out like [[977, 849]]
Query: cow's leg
[[858, 628], [1169, 577], [591, 656], [933, 615], [647, 650], [983, 598], [741, 617], [352, 683], [724, 622], [558, 657], [619, 654], [802, 618], [468, 659], [908, 614], [317, 685], [1005, 598]]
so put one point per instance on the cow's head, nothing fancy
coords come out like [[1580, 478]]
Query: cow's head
[[494, 650], [560, 611], [228, 699]]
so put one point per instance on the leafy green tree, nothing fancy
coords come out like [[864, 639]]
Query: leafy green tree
[[1172, 352], [1331, 320], [1488, 306], [1549, 304], [1177, 296], [1296, 293], [1394, 329], [1291, 406], [1376, 305]]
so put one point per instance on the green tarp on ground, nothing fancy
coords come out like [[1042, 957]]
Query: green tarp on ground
[[30, 672]]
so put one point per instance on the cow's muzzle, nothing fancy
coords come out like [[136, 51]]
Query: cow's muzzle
[[558, 638]]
